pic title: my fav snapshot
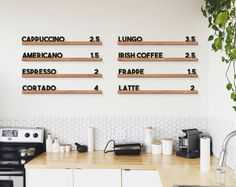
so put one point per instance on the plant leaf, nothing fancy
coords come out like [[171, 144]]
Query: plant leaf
[[222, 59], [214, 27], [203, 12], [233, 54], [229, 86], [211, 37], [222, 18], [233, 96], [218, 43]]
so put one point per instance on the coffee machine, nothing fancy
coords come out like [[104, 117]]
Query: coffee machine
[[189, 145]]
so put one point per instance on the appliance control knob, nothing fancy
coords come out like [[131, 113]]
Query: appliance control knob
[[22, 161], [27, 135], [35, 135]]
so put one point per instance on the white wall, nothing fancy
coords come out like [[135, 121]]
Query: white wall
[[222, 117], [77, 20]]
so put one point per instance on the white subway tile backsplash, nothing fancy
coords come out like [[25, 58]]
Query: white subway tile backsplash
[[72, 129], [120, 128]]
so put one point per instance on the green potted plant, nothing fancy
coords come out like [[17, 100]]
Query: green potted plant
[[221, 15]]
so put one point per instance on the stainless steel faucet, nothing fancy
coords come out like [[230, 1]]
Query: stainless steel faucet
[[223, 154]]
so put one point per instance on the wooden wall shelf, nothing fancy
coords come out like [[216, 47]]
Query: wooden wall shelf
[[157, 59], [62, 59], [157, 75], [64, 92], [158, 43], [62, 75], [159, 92], [63, 43]]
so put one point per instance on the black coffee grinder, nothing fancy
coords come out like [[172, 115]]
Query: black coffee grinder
[[189, 145]]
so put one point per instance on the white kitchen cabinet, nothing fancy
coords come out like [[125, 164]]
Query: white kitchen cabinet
[[141, 178], [49, 178], [97, 177], [92, 178]]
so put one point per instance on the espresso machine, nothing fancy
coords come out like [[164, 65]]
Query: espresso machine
[[189, 144]]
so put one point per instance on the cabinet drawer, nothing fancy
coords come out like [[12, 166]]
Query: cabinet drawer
[[97, 177], [141, 178], [49, 177]]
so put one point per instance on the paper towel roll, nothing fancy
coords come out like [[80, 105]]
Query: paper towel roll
[[90, 137], [205, 154]]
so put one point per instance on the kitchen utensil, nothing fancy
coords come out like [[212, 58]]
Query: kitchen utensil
[[23, 153], [81, 148]]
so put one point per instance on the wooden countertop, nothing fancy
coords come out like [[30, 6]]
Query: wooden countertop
[[172, 169]]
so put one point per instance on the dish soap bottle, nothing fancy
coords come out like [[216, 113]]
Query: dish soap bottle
[[49, 143], [55, 146]]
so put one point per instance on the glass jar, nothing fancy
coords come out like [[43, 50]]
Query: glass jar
[[220, 176]]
